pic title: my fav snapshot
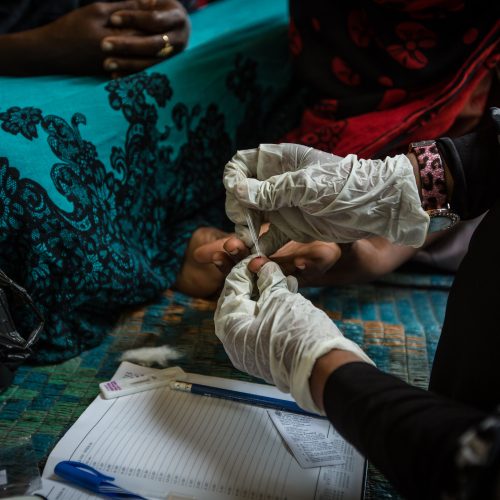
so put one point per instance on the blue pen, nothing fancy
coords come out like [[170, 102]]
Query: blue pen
[[88, 478], [241, 397]]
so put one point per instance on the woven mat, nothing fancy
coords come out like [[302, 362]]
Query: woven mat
[[397, 322]]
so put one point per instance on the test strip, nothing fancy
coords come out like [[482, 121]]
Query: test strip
[[253, 233], [131, 385]]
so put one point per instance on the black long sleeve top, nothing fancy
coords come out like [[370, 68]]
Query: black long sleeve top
[[416, 437]]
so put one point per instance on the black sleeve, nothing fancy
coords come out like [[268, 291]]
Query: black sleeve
[[474, 161], [409, 434]]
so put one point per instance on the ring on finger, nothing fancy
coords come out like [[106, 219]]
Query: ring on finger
[[167, 49]]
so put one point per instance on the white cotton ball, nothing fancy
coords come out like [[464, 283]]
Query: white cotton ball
[[148, 356]]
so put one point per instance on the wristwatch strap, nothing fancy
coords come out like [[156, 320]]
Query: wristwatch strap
[[431, 168]]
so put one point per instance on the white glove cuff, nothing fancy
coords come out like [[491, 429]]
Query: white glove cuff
[[299, 384]]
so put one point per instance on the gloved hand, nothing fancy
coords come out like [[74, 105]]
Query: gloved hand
[[278, 336], [309, 195]]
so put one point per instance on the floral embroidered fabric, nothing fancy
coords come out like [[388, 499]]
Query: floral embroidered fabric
[[103, 183], [382, 74]]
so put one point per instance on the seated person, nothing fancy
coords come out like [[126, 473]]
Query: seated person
[[375, 82], [99, 218], [107, 187], [86, 38]]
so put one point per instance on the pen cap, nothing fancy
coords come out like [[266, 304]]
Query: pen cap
[[81, 474]]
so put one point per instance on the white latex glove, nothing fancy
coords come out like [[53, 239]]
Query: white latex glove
[[309, 195], [278, 336]]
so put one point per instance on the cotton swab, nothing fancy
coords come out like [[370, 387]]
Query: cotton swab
[[253, 233]]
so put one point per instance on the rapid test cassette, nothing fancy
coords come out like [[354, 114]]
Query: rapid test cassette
[[131, 385]]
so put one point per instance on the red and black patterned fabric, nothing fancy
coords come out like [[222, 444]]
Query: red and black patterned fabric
[[383, 73]]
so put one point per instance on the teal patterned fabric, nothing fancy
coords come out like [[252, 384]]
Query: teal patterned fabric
[[103, 182]]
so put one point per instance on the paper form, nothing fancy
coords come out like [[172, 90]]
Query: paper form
[[313, 441], [163, 442], [54, 490]]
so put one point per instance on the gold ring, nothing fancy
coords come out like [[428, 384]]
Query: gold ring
[[167, 49]]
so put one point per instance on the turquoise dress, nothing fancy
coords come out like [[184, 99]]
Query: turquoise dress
[[103, 182]]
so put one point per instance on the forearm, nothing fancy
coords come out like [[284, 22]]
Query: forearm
[[473, 161], [322, 370], [366, 260], [470, 167], [408, 433]]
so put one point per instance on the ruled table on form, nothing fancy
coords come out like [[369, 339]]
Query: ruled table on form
[[163, 441]]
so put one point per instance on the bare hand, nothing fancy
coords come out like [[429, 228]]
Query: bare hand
[[153, 20], [72, 43], [310, 263]]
